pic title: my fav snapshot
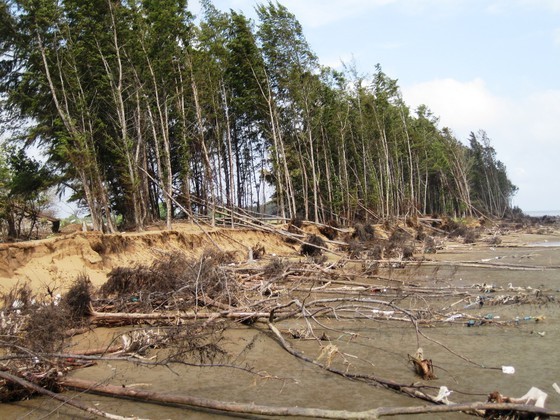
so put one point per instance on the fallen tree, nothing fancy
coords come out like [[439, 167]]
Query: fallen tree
[[254, 409]]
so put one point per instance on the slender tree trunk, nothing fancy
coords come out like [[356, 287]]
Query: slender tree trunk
[[185, 153], [83, 154], [229, 181], [117, 91], [206, 158], [164, 157]]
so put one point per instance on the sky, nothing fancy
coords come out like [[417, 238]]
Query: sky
[[491, 65]]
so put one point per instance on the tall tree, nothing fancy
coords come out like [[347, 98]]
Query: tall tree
[[140, 108], [290, 64]]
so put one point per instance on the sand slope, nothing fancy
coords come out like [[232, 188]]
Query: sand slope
[[57, 261]]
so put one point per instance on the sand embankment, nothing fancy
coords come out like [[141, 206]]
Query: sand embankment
[[55, 262]]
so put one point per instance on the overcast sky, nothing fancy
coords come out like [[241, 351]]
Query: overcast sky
[[477, 64]]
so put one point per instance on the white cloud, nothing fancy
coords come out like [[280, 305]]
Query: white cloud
[[556, 36], [462, 106], [336, 61], [523, 131], [550, 5], [540, 113], [505, 6], [317, 13]]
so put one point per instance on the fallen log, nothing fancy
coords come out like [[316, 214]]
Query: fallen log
[[231, 407], [253, 409], [387, 383], [99, 350], [468, 408], [485, 264], [73, 402], [175, 315]]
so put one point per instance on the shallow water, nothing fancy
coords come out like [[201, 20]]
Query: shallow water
[[546, 244], [371, 346]]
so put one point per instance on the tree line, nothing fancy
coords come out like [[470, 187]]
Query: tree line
[[146, 113]]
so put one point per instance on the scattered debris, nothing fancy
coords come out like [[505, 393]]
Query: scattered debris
[[423, 367]]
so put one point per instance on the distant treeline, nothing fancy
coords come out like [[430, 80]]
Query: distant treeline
[[144, 110]]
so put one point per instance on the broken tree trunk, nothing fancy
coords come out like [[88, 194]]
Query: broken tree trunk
[[387, 383], [176, 315], [73, 402], [242, 408], [231, 407]]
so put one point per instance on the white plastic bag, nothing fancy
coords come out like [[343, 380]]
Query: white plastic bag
[[510, 370]]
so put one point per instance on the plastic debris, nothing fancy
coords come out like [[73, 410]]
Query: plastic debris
[[17, 304], [444, 392], [556, 387], [510, 370], [534, 397], [385, 313], [479, 302]]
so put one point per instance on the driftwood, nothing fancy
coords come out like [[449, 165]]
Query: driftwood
[[176, 315], [247, 409], [100, 350], [423, 367], [234, 407], [296, 293], [486, 264], [387, 383], [73, 402]]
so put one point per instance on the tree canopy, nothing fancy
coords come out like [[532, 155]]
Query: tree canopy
[[146, 112]]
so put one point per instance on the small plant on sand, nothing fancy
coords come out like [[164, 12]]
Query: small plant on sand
[[363, 233], [275, 267], [312, 246], [329, 230], [77, 301], [470, 236]]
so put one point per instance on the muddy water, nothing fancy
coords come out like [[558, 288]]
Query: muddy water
[[373, 347]]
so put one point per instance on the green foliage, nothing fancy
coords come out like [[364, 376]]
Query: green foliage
[[491, 189], [23, 190], [134, 101]]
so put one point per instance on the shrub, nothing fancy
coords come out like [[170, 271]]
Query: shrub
[[329, 232], [363, 233], [470, 236], [312, 246], [78, 299]]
